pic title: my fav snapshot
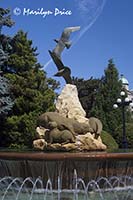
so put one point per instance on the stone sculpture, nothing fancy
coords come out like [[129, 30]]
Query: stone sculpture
[[65, 134], [62, 43], [96, 126], [67, 128], [64, 40], [63, 71], [55, 135], [64, 123]]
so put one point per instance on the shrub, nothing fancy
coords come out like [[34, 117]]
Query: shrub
[[108, 140]]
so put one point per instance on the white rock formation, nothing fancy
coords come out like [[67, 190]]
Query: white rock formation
[[39, 144], [40, 131], [68, 104], [89, 143]]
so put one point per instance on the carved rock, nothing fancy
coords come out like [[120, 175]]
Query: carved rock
[[39, 144], [40, 132], [85, 142], [54, 135], [68, 104], [59, 147], [89, 143]]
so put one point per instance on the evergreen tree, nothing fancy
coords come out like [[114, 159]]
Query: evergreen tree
[[5, 18], [5, 99], [32, 91], [109, 90], [6, 102], [98, 96], [87, 90]]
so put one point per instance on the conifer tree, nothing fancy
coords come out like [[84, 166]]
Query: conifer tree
[[6, 102], [32, 91], [109, 90], [5, 99], [5, 18], [87, 90]]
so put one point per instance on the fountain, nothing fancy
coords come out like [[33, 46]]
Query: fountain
[[40, 175], [60, 174]]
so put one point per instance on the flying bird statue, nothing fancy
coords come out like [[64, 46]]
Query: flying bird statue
[[63, 71], [64, 40], [63, 43]]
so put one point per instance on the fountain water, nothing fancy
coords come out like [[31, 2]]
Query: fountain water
[[16, 188], [66, 176]]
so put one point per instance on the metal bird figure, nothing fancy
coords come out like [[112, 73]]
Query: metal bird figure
[[63, 71], [64, 40]]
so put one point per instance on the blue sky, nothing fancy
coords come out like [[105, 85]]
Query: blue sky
[[106, 32]]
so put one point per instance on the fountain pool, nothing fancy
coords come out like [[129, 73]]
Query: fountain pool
[[66, 176]]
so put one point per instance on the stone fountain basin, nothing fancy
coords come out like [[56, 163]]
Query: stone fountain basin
[[69, 172], [88, 165]]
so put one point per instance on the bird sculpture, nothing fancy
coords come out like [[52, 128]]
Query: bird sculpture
[[63, 43], [63, 71], [64, 40]]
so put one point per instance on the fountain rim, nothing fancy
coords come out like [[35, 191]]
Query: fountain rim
[[51, 156]]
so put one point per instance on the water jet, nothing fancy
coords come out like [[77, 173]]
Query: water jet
[[88, 175]]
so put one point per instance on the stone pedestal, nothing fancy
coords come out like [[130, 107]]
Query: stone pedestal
[[69, 106]]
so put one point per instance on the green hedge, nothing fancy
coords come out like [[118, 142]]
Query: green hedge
[[108, 140]]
